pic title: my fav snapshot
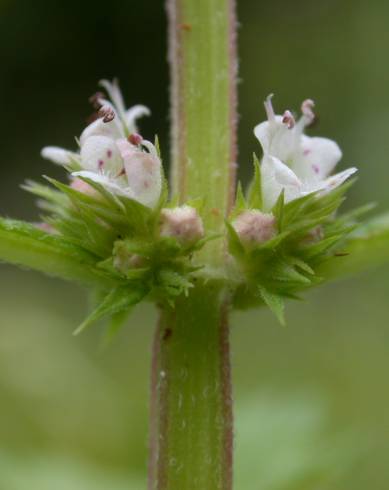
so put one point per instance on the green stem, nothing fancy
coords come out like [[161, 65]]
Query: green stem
[[191, 408], [191, 440], [203, 62]]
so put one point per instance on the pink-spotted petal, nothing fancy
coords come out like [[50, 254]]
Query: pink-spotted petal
[[100, 154], [316, 158], [144, 175]]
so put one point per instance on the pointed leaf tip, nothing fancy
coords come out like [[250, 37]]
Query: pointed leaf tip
[[118, 300], [275, 302]]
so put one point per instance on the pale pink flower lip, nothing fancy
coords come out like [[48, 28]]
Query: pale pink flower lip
[[294, 162], [113, 154]]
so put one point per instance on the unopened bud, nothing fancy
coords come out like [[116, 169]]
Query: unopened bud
[[254, 227], [183, 223]]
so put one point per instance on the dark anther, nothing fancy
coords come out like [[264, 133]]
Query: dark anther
[[107, 114], [94, 100]]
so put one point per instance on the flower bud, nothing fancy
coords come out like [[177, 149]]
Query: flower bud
[[254, 227], [183, 223]]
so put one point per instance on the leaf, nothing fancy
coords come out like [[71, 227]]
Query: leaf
[[271, 244], [254, 196], [301, 265], [118, 300], [275, 302], [25, 245], [157, 146], [285, 272], [367, 247], [278, 210], [45, 192], [117, 322], [235, 246], [240, 200], [321, 247]]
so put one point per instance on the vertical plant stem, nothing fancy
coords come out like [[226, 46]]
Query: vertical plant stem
[[192, 443], [191, 413], [202, 35]]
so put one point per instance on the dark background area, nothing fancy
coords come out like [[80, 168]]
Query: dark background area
[[312, 398]]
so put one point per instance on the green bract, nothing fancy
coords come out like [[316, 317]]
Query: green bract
[[93, 230], [308, 233]]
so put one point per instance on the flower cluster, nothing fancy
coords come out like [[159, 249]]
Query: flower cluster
[[287, 226], [116, 209], [112, 153], [116, 219], [293, 162]]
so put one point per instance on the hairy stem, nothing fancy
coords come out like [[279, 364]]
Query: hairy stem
[[191, 408], [191, 432], [202, 35]]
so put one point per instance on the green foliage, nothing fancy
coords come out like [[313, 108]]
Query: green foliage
[[108, 240], [254, 196], [308, 234]]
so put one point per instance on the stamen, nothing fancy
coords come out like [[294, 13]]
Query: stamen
[[288, 119], [100, 164], [135, 139], [269, 108], [94, 100], [307, 110], [107, 114]]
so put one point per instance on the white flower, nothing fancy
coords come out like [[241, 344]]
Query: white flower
[[294, 162], [112, 154]]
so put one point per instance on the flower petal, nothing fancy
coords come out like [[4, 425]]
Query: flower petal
[[108, 183], [58, 155], [277, 139], [334, 181], [277, 176], [100, 153], [144, 175], [115, 95], [316, 158], [135, 113], [112, 129]]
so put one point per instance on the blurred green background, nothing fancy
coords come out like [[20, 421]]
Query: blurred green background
[[312, 398]]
